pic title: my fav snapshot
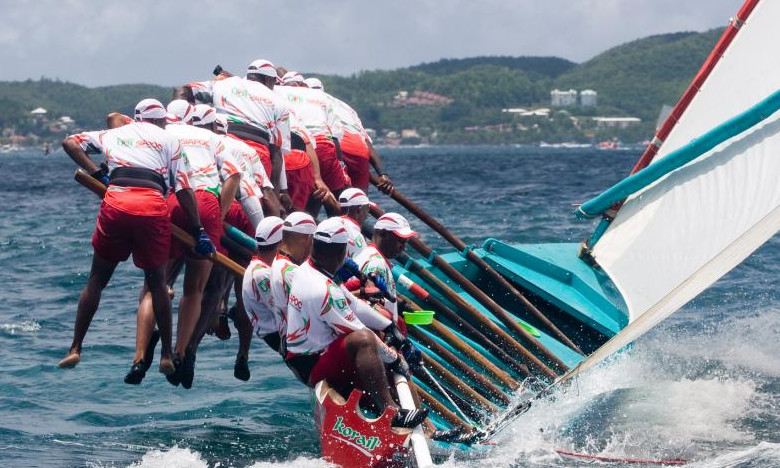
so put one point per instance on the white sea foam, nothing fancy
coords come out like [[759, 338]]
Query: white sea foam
[[175, 457], [27, 326], [656, 402]]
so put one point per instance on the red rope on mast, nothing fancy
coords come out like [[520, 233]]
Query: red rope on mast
[[720, 48]]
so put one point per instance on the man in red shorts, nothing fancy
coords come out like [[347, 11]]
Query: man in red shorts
[[329, 331], [133, 218], [315, 111], [357, 151]]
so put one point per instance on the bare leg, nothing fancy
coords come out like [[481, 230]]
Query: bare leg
[[144, 325], [216, 286], [361, 346], [145, 315], [89, 300], [313, 206], [195, 277], [161, 303], [243, 325]]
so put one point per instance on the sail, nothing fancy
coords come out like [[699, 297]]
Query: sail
[[673, 239]]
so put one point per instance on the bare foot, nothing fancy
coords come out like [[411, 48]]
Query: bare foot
[[70, 361], [166, 365]]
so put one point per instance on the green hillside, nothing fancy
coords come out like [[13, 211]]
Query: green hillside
[[633, 79], [640, 76]]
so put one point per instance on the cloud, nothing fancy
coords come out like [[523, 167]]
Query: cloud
[[169, 42]]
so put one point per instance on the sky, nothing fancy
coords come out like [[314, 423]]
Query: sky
[[168, 42]]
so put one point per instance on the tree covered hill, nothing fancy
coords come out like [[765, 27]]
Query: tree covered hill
[[633, 79]]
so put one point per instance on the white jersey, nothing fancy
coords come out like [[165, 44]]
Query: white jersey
[[314, 109], [372, 262], [140, 144], [349, 119], [319, 311], [208, 165], [250, 103], [282, 276], [258, 301], [357, 242]]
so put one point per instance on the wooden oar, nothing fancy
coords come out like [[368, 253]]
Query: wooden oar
[[487, 325], [470, 330], [451, 359], [444, 333], [183, 236], [461, 246]]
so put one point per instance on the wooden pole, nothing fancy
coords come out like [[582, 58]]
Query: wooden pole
[[486, 325], [456, 342], [183, 236], [463, 367], [458, 243], [470, 330]]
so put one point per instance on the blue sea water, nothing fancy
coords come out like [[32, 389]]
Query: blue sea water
[[704, 386]]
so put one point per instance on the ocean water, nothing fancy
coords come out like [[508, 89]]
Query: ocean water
[[703, 386]]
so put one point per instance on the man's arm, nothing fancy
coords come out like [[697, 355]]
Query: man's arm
[[78, 155], [321, 191], [186, 199], [385, 184], [228, 193], [276, 166]]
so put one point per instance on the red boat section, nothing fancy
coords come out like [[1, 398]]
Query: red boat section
[[350, 439]]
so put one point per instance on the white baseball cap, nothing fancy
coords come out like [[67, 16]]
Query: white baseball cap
[[149, 109], [269, 230], [261, 67], [179, 112], [396, 224], [203, 115], [353, 197], [292, 77], [332, 231], [314, 83], [300, 222]]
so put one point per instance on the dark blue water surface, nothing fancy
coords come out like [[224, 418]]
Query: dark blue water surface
[[704, 386]]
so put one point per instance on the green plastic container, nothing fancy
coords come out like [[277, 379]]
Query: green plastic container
[[420, 317]]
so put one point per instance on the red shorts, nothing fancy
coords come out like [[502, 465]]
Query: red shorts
[[358, 170], [330, 166], [262, 152], [210, 219], [119, 234], [337, 367], [300, 184], [236, 217]]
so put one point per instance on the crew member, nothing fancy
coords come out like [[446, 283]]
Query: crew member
[[256, 290], [215, 178], [327, 331], [354, 210], [133, 218], [316, 113], [297, 236], [391, 232], [357, 149]]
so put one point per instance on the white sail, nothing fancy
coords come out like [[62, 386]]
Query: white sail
[[678, 236]]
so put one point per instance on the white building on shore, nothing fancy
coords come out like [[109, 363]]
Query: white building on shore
[[560, 98], [589, 98]]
